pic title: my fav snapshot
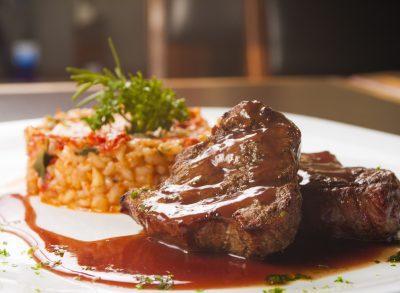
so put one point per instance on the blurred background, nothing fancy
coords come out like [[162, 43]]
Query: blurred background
[[197, 38], [311, 57]]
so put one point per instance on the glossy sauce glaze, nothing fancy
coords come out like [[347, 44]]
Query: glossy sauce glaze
[[348, 202], [249, 156], [236, 192], [323, 164], [125, 261]]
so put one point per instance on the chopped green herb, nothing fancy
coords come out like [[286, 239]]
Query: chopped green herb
[[135, 194], [59, 250], [54, 263], [4, 242], [88, 268], [139, 286], [37, 291], [341, 280], [378, 168], [42, 161], [144, 104], [277, 279], [394, 258], [31, 251], [199, 290], [164, 282], [143, 280], [4, 252], [37, 266], [86, 151], [143, 207], [77, 278], [111, 268], [326, 287], [274, 290], [282, 214], [138, 191], [285, 278], [59, 253]]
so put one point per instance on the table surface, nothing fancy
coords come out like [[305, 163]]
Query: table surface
[[341, 99]]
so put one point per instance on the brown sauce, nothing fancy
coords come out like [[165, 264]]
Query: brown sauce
[[119, 260]]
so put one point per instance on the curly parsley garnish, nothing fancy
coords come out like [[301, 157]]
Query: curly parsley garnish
[[143, 103]]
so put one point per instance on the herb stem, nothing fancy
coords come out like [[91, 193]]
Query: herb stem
[[116, 58]]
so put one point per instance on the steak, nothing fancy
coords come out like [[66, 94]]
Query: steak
[[355, 203], [237, 192]]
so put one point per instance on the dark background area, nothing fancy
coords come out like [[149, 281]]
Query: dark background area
[[197, 38], [333, 37]]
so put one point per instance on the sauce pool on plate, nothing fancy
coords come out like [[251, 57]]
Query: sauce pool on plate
[[138, 261]]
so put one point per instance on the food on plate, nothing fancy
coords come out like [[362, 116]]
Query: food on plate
[[236, 192], [242, 189], [87, 158], [357, 203], [71, 165]]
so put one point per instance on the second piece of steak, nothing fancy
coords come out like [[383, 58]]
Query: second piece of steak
[[237, 192], [357, 203]]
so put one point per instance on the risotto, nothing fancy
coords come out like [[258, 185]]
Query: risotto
[[70, 165]]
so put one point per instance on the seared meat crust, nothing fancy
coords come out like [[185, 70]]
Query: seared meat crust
[[237, 192], [356, 203]]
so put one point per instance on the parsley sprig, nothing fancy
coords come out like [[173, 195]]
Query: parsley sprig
[[143, 103]]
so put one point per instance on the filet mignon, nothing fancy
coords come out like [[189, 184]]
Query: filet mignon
[[356, 203], [237, 192]]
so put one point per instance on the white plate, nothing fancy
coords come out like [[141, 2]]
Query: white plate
[[352, 145]]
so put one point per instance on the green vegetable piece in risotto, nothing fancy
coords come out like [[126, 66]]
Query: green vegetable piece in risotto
[[86, 151], [41, 163], [143, 103]]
